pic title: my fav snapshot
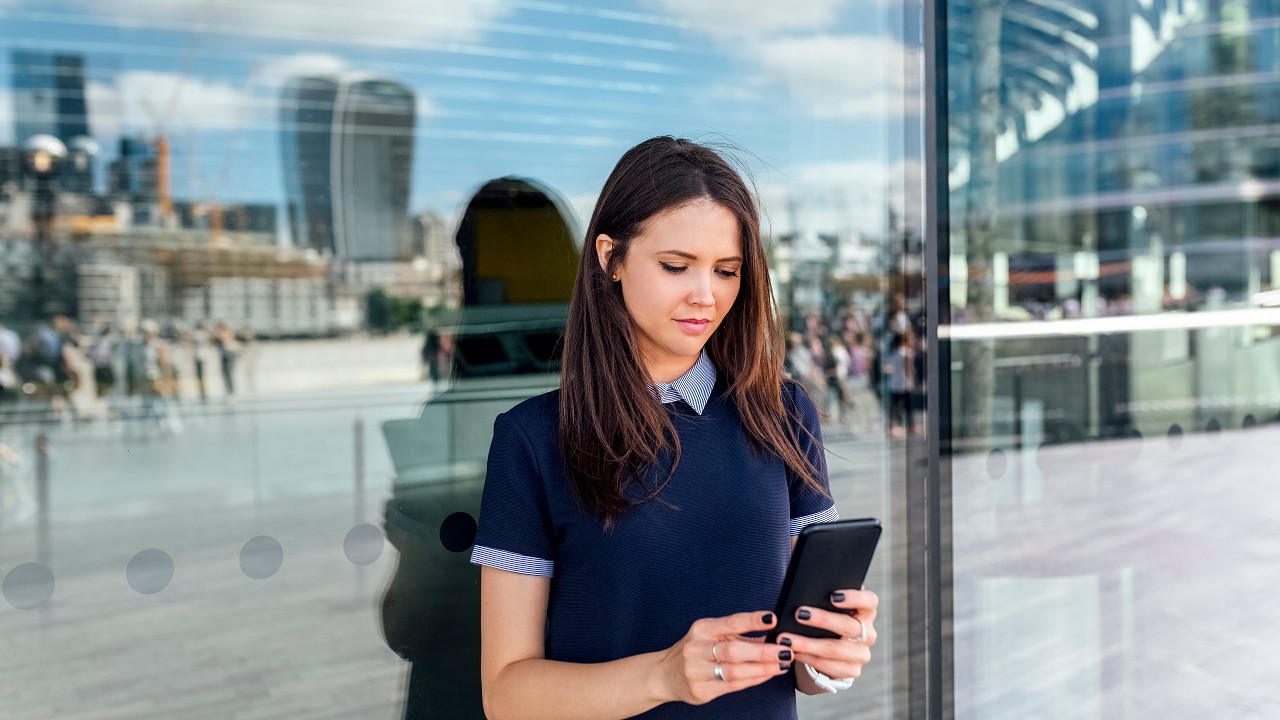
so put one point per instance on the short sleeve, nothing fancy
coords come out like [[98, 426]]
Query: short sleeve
[[808, 506], [515, 532]]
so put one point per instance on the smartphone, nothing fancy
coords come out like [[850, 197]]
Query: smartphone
[[828, 557]]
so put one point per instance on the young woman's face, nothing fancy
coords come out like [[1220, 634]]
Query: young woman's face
[[679, 280]]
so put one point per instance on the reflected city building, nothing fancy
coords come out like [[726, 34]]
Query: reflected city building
[[263, 304], [1113, 239], [347, 149], [519, 255]]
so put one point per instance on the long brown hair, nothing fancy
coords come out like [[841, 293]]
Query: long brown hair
[[610, 431]]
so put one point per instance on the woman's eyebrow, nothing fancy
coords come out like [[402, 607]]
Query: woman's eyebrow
[[690, 256]]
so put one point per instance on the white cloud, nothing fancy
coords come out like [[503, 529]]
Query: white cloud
[[836, 197], [830, 75], [6, 117], [423, 107], [146, 101], [841, 76], [319, 20], [583, 205], [753, 16], [142, 101], [274, 73]]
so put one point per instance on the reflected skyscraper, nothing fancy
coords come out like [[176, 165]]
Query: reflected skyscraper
[[347, 149], [306, 126], [49, 99], [48, 95]]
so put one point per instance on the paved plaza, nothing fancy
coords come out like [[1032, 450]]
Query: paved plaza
[[215, 643], [1090, 580]]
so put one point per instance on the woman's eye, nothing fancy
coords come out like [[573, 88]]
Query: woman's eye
[[727, 273], [673, 269]]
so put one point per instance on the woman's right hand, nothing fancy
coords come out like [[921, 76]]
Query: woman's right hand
[[688, 667]]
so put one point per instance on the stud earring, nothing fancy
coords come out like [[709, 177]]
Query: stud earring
[[615, 278]]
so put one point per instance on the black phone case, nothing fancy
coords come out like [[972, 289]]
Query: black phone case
[[828, 557]]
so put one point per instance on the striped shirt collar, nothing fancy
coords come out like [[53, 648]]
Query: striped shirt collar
[[693, 387]]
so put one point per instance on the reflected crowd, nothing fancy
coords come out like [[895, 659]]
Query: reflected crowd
[[141, 372], [864, 367]]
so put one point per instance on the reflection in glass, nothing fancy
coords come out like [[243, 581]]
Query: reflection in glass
[[253, 257], [518, 257], [1112, 174]]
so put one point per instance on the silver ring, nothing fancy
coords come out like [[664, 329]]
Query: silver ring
[[713, 652], [863, 637], [719, 672]]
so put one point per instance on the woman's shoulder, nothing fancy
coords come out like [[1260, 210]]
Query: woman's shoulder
[[796, 400], [537, 412]]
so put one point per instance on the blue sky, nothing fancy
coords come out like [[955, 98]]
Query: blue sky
[[811, 90]]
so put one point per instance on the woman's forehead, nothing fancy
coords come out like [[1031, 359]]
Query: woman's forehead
[[702, 229]]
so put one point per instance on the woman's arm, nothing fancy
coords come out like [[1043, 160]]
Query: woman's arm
[[518, 682]]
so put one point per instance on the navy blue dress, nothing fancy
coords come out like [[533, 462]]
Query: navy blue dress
[[717, 544]]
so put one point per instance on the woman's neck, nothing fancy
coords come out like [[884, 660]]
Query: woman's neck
[[669, 369]]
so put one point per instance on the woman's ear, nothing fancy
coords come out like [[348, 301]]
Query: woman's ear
[[604, 250]]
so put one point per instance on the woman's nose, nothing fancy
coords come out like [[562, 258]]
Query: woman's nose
[[700, 293]]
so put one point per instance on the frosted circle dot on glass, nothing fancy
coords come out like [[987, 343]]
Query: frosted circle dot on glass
[[149, 571], [1175, 436], [1042, 456], [458, 532], [1213, 426], [997, 463], [363, 544], [261, 557], [28, 586]]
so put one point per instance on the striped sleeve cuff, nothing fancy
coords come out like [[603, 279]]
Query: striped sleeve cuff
[[512, 562], [828, 515]]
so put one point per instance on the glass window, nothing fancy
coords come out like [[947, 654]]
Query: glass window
[[269, 270], [1110, 316]]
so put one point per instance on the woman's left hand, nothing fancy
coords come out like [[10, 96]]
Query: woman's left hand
[[841, 657]]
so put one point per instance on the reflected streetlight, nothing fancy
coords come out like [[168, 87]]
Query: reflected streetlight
[[44, 155], [82, 152]]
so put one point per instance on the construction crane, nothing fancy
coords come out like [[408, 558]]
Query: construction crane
[[163, 196], [160, 121]]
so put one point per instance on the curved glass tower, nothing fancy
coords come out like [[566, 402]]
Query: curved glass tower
[[347, 148]]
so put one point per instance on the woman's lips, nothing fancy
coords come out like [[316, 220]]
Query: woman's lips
[[694, 327]]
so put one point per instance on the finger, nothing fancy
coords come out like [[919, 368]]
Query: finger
[[833, 668], [730, 625], [839, 623], [740, 675], [821, 650], [863, 602], [743, 652]]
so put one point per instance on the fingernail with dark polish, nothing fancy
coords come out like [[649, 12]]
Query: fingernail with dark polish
[[767, 619], [837, 597], [804, 614], [784, 666], [784, 655], [785, 642]]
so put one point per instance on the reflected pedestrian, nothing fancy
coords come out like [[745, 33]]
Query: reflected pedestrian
[[156, 380], [201, 343], [431, 355], [837, 400], [899, 369], [102, 353], [10, 353], [224, 339]]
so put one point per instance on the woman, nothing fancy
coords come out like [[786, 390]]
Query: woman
[[636, 524]]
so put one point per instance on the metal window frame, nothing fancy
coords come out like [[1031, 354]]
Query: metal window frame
[[928, 467]]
